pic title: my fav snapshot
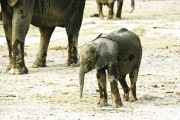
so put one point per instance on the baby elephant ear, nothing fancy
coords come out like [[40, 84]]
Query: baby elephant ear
[[12, 2], [102, 61], [105, 55]]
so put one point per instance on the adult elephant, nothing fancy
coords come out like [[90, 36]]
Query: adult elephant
[[110, 4], [46, 14], [120, 54]]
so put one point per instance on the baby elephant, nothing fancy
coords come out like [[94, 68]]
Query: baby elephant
[[120, 54]]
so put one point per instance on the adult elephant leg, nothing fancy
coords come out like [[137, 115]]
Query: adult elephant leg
[[125, 87], [72, 28], [111, 12], [133, 78], [23, 11], [101, 77], [72, 32], [101, 16], [100, 7], [10, 53], [7, 24], [72, 49], [46, 33], [119, 8]]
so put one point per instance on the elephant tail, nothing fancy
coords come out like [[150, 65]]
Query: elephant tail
[[132, 6]]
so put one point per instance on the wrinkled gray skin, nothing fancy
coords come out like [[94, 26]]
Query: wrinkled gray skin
[[17, 16], [120, 54], [110, 4]]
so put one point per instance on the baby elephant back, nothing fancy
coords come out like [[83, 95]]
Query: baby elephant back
[[127, 41], [129, 49]]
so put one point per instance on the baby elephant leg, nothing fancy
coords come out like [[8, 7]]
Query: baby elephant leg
[[125, 87], [101, 77], [133, 77], [113, 77], [116, 100]]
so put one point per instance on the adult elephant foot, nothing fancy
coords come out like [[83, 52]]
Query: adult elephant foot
[[17, 65], [72, 60], [117, 18], [17, 70], [39, 63], [102, 102], [101, 17], [110, 17]]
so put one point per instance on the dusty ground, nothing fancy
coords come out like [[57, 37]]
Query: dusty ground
[[53, 93]]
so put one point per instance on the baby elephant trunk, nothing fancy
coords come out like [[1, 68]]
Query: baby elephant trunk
[[132, 6], [81, 81]]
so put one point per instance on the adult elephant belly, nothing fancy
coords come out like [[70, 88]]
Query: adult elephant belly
[[51, 13]]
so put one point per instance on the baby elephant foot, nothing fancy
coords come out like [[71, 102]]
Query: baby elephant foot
[[132, 98], [126, 96], [117, 104], [39, 63], [102, 102]]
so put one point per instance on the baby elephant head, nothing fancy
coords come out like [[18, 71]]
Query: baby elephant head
[[96, 54], [88, 57]]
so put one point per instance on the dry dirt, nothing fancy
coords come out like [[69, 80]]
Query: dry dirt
[[52, 92]]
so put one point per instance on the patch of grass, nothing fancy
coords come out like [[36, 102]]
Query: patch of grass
[[122, 110], [139, 30], [83, 100], [64, 93], [171, 82], [92, 32], [178, 93], [164, 103], [39, 96], [57, 48], [147, 97], [9, 96], [51, 100], [50, 83], [70, 85], [178, 100], [21, 98]]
